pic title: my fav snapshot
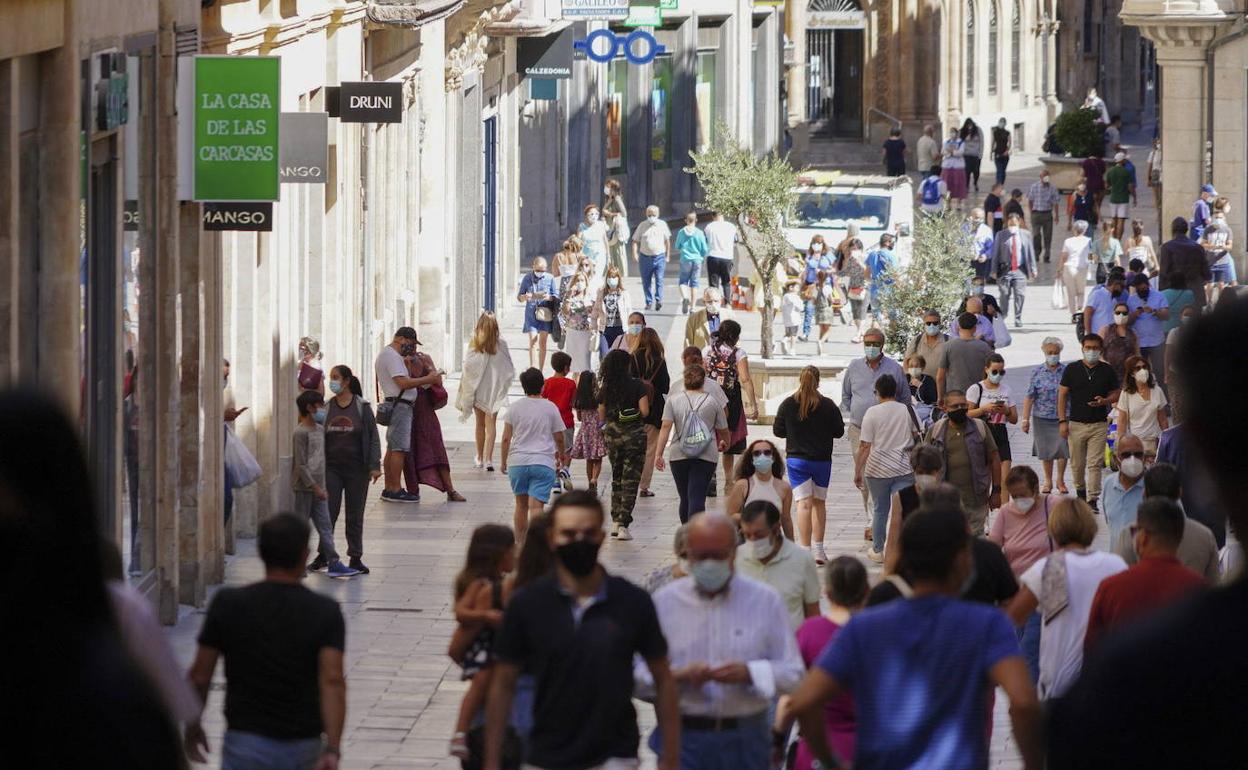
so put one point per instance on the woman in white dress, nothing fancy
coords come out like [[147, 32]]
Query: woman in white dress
[[488, 373]]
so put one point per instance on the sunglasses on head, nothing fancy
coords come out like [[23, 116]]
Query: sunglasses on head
[[761, 453]]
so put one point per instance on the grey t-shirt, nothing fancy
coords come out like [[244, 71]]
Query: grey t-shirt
[[678, 408], [964, 362]]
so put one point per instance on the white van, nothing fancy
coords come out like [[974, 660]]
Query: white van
[[827, 201]]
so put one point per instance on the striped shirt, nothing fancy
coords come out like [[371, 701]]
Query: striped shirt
[[1043, 197]]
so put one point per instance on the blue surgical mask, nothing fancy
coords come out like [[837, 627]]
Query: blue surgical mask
[[335, 386], [872, 351], [1052, 360], [763, 463], [932, 329], [995, 377], [635, 329], [613, 282], [711, 575], [319, 416], [1092, 356]]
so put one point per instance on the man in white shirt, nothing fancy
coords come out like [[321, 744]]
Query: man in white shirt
[[652, 240], [721, 240], [769, 557], [927, 153], [398, 390], [731, 650]]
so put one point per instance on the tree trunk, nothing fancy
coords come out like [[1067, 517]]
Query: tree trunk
[[769, 313]]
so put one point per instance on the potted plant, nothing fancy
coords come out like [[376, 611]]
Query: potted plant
[[1078, 133]]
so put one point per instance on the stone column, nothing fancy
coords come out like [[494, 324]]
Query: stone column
[[767, 58], [191, 534], [10, 234], [795, 77], [684, 109]]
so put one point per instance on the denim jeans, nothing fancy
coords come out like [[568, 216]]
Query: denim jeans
[[882, 490], [690, 271], [250, 751], [808, 317], [308, 506], [652, 269], [693, 478], [1029, 641], [1001, 162]]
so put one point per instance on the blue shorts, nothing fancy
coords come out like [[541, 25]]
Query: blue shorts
[[690, 269], [1224, 272], [532, 480], [809, 478]]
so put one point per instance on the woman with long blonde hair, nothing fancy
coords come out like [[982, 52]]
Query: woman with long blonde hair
[[488, 373], [611, 310], [809, 421]]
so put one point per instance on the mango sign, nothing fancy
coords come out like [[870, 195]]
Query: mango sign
[[236, 128]]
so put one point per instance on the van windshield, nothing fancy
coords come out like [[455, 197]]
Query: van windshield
[[827, 210]]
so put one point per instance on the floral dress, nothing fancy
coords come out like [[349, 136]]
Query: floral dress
[[588, 443]]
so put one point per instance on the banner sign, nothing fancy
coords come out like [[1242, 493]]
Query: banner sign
[[370, 101], [836, 20], [585, 10], [644, 16], [250, 217], [130, 216], [547, 57], [305, 147], [236, 128]]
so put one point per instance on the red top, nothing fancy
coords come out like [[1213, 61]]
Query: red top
[[560, 391], [1146, 587]]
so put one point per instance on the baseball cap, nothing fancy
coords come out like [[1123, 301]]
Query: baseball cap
[[1208, 188], [1120, 157], [407, 333]]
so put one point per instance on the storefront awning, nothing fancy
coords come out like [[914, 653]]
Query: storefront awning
[[411, 13]]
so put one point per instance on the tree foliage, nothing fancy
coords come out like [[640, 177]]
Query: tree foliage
[[755, 192], [936, 278]]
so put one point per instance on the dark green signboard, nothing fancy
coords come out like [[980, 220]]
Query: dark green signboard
[[237, 103]]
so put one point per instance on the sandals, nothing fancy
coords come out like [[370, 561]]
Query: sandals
[[459, 746], [455, 497], [645, 493]]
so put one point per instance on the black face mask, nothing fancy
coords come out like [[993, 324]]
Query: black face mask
[[579, 556], [1115, 293], [1141, 293], [958, 416], [407, 349]]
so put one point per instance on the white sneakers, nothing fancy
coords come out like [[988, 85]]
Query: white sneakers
[[875, 556], [821, 556], [623, 534]]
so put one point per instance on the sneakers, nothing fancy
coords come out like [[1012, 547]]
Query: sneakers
[[358, 566], [489, 467], [565, 479], [684, 307], [340, 570], [615, 529], [710, 489], [401, 496], [624, 534], [318, 564], [645, 493], [821, 556], [649, 306], [1018, 323], [476, 463], [658, 305], [875, 556]]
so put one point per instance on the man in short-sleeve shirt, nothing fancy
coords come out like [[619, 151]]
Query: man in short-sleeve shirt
[[399, 391], [1089, 387], [786, 567], [283, 647]]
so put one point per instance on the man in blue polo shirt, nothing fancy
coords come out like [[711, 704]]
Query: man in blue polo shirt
[[1149, 312], [920, 670], [1099, 312], [576, 631]]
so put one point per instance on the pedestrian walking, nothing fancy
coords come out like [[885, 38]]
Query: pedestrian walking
[[1041, 416], [560, 390], [721, 252], [1107, 250], [540, 296], [858, 392], [1087, 389], [1121, 185], [972, 459], [283, 645], [702, 324], [817, 258], [623, 406], [994, 207], [1202, 211], [953, 169], [972, 150], [933, 193], [1218, 242], [962, 360], [927, 152], [931, 657], [989, 400], [1002, 146], [852, 270], [1102, 301], [894, 153], [729, 365], [1198, 548], [692, 248], [1042, 207], [1014, 206], [652, 242], [824, 294], [1061, 587], [696, 426], [308, 482], [678, 569], [627, 341], [771, 558], [1014, 257], [1140, 246], [927, 466], [981, 237], [1081, 206], [427, 462], [1184, 255], [792, 314], [1074, 259], [615, 210], [1093, 168], [576, 310], [760, 476], [567, 263], [650, 366], [483, 385], [593, 234], [581, 625], [881, 461], [588, 445], [478, 595], [1154, 172], [809, 422], [611, 311], [845, 589], [352, 460], [1149, 310], [1120, 342], [533, 449]]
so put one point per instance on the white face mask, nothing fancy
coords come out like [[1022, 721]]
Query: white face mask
[[1141, 376], [606, 191], [816, 248], [915, 371], [613, 282], [762, 548], [712, 308], [1132, 467], [856, 254], [1014, 229], [1023, 504], [1121, 319], [591, 216], [652, 218], [923, 481]]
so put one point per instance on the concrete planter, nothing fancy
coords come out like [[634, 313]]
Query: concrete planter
[[1064, 171], [776, 378]]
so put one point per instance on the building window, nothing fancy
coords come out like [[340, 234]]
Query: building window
[[994, 40], [970, 47], [1088, 27], [1016, 47]]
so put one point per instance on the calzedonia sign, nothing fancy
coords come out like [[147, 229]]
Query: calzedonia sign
[[250, 217], [236, 128]]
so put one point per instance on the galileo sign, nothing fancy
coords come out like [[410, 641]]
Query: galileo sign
[[236, 128]]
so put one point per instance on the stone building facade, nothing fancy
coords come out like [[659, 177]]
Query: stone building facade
[[1097, 50]]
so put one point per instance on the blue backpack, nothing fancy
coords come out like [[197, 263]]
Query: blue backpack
[[931, 191]]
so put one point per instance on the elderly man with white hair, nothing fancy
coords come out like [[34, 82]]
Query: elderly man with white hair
[[701, 324], [1040, 417], [732, 651], [1075, 265]]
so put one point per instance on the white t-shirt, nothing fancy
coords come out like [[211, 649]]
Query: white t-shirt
[[652, 237], [1076, 250], [792, 308], [1061, 641], [390, 365], [887, 427], [534, 423], [979, 396], [1142, 414], [709, 386], [720, 237]]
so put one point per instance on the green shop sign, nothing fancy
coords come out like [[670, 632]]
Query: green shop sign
[[236, 128]]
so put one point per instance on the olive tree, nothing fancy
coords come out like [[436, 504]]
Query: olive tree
[[755, 192], [936, 278]]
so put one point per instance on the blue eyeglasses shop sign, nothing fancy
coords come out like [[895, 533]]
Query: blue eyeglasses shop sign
[[603, 45], [237, 104]]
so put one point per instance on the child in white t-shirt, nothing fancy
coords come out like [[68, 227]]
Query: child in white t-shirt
[[792, 308]]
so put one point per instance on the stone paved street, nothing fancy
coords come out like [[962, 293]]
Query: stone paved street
[[403, 691]]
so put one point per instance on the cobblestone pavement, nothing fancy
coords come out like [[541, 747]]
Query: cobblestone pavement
[[403, 692]]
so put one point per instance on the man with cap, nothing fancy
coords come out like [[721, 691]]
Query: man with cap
[[1202, 212], [399, 391], [1121, 191]]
